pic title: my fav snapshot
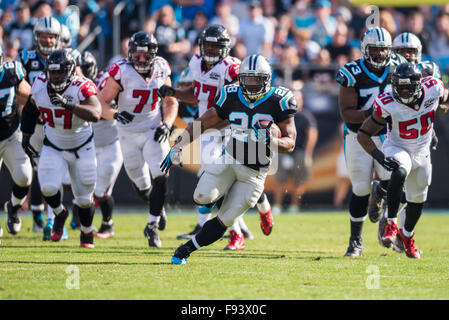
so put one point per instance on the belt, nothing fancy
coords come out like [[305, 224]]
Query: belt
[[74, 150]]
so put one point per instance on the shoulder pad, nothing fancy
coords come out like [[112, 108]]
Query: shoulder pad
[[220, 98], [397, 59], [287, 100], [346, 74]]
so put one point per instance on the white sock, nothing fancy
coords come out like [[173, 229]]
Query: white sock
[[15, 201], [236, 227], [395, 220], [50, 213], [242, 223], [401, 216], [152, 218], [55, 211], [203, 218], [40, 207], [407, 234], [87, 229], [264, 207]]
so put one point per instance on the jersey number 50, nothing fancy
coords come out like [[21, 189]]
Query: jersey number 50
[[412, 133]]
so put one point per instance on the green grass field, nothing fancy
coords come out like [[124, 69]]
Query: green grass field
[[301, 259]]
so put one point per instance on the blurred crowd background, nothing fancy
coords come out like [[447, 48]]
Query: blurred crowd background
[[306, 41]]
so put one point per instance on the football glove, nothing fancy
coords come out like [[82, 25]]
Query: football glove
[[166, 91], [388, 163], [161, 134], [262, 134], [58, 100], [29, 150], [123, 117], [434, 142], [174, 156]]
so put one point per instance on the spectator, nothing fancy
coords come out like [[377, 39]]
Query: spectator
[[439, 44], [6, 18], [322, 73], [171, 37], [339, 48], [12, 47], [323, 29], [123, 52], [225, 18], [41, 9], [257, 32], [307, 49], [387, 22], [199, 23], [415, 24], [295, 167], [68, 16], [302, 16], [280, 43], [22, 27], [190, 8]]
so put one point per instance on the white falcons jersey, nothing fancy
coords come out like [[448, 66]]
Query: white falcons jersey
[[62, 127], [105, 131], [411, 127], [208, 84], [139, 96]]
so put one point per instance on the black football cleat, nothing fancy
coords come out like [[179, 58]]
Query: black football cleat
[[87, 240], [152, 235], [191, 234], [106, 230], [181, 254], [58, 226], [377, 203], [355, 248], [13, 221], [162, 220]]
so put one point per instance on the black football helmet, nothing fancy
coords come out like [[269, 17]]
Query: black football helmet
[[214, 44], [406, 83], [60, 69], [142, 42], [89, 65]]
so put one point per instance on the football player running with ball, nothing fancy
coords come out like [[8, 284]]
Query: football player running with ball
[[144, 121], [411, 106], [240, 174]]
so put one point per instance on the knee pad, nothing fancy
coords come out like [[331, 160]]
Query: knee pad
[[361, 189], [49, 189], [203, 198], [83, 202], [88, 172]]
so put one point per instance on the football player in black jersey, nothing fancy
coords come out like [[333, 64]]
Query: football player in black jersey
[[361, 82], [241, 175], [14, 92]]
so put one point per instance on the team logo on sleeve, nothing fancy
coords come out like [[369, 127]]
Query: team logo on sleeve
[[428, 103]]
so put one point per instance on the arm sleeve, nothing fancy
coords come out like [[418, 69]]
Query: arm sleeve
[[289, 107], [345, 78], [30, 114], [220, 105]]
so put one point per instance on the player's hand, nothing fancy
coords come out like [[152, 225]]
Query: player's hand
[[29, 150], [174, 156], [261, 133], [166, 91], [388, 163], [58, 100], [161, 134], [434, 142], [123, 117]]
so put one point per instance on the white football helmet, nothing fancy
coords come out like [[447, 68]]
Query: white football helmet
[[254, 76], [66, 38], [186, 77], [376, 38], [407, 40], [47, 26]]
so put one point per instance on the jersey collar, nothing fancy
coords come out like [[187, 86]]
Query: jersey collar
[[252, 105], [377, 79]]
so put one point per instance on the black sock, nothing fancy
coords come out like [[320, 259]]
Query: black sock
[[412, 214], [262, 198], [357, 209], [106, 206], [143, 194], [383, 187], [394, 191], [36, 198], [211, 232], [54, 201], [86, 215], [158, 195], [20, 192]]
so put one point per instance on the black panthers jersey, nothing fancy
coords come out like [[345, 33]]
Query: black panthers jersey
[[11, 75], [277, 105], [368, 85], [187, 113], [429, 69]]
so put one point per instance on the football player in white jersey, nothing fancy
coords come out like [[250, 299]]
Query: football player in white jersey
[[213, 68], [411, 107], [66, 103], [144, 122], [107, 147]]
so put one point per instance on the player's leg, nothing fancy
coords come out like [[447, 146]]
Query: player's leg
[[416, 186], [19, 166], [51, 169], [237, 239], [266, 218], [394, 192], [360, 169], [36, 199], [83, 174], [109, 163], [245, 229]]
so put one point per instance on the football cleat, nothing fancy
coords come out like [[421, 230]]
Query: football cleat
[[162, 220], [355, 248], [38, 222], [389, 235], [47, 229], [409, 245], [87, 240], [181, 254], [191, 234], [13, 222], [236, 242], [247, 234], [377, 203], [381, 228], [266, 222], [58, 226], [150, 232], [106, 230]]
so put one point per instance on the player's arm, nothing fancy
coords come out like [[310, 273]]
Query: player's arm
[[169, 107], [28, 121], [110, 91], [443, 108], [347, 102], [23, 92], [286, 143], [186, 95]]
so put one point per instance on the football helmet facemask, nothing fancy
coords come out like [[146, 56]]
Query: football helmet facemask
[[142, 49], [60, 69], [254, 76], [89, 65], [409, 46], [376, 47], [406, 83], [214, 44], [46, 35]]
